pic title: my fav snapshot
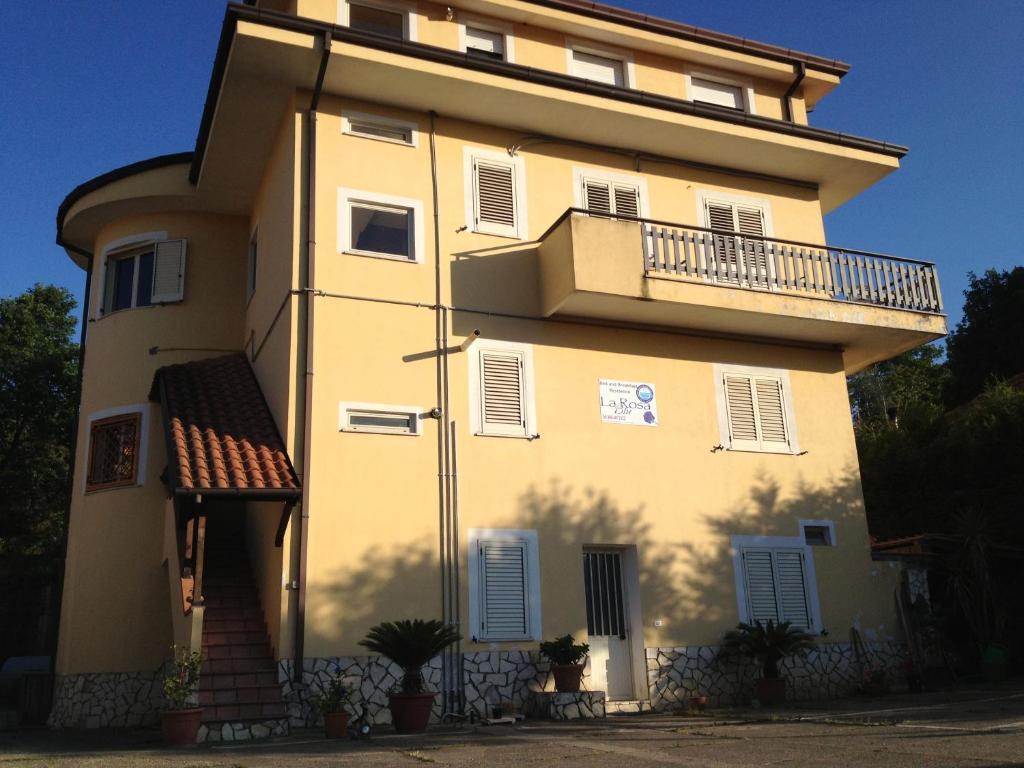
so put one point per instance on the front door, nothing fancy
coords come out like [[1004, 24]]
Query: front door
[[611, 664]]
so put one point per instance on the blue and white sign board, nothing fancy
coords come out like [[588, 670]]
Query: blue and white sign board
[[628, 402]]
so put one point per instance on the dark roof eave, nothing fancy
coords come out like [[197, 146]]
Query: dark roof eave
[[248, 494]]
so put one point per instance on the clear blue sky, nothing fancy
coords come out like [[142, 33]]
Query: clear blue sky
[[88, 86]]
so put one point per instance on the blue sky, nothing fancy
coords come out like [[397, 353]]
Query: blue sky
[[90, 86]]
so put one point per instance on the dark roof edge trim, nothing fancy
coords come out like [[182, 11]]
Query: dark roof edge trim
[[83, 189], [696, 34]]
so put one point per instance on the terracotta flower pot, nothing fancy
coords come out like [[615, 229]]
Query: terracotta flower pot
[[335, 725], [697, 703], [180, 727], [410, 712], [771, 691], [567, 677]]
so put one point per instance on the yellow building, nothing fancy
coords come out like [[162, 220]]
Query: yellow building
[[517, 314]]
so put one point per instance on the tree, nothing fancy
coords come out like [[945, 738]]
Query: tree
[[988, 343], [908, 387]]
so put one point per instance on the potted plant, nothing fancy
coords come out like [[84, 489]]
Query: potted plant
[[331, 702], [567, 662], [697, 700], [410, 644], [767, 644], [179, 722]]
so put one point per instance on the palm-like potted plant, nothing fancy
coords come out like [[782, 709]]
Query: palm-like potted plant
[[180, 720], [410, 644], [331, 701], [767, 644], [568, 659]]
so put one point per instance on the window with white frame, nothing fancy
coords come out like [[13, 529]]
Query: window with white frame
[[495, 193], [143, 274], [380, 418], [775, 581], [755, 409], [371, 224], [251, 264], [723, 91], [379, 128], [480, 42], [738, 258], [600, 66], [387, 18], [504, 585], [501, 389], [609, 193]]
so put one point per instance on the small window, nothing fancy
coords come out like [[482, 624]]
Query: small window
[[818, 533], [380, 128], [251, 264], [485, 44], [381, 419], [129, 280], [380, 21], [775, 586], [504, 573], [113, 452], [601, 69], [495, 195], [711, 92], [502, 395], [754, 410], [380, 225], [609, 196]]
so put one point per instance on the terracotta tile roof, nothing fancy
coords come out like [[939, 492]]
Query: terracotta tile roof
[[221, 436]]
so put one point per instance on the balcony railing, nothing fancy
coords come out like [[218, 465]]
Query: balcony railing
[[733, 259]]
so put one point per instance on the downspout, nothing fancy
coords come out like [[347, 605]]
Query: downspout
[[58, 597], [307, 419], [787, 106]]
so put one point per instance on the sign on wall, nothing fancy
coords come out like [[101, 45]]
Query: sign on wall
[[628, 402]]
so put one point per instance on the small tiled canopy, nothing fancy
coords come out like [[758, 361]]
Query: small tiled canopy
[[221, 437]]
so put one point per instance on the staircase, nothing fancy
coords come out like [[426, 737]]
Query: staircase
[[238, 688]]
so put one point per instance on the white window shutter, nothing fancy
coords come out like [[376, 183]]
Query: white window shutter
[[504, 591], [741, 410], [503, 393], [601, 69], [712, 92], [759, 571], [597, 196], [495, 198], [771, 413], [627, 200], [169, 271], [792, 588]]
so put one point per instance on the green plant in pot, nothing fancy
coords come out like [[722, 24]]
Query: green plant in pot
[[410, 643], [331, 702], [568, 659], [767, 644], [180, 720]]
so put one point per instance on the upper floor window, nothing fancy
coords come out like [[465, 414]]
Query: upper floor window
[[614, 194], [380, 17], [142, 275], [484, 41], [602, 66], [501, 389], [724, 91], [379, 128], [371, 224], [755, 409], [114, 452], [495, 193]]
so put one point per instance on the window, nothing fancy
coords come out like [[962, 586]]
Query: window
[[481, 43], [386, 18], [609, 193], [504, 585], [818, 533], [600, 68], [775, 582], [740, 260], [380, 128], [380, 225], [113, 452], [251, 263], [754, 410], [143, 275], [723, 91], [382, 419], [501, 389], [495, 193]]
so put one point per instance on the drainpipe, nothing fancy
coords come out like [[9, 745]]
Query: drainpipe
[[787, 107], [58, 597], [307, 420]]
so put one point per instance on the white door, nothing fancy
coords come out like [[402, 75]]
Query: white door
[[611, 663]]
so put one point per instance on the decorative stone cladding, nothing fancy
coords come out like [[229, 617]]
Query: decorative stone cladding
[[829, 671], [107, 700], [490, 678], [242, 731], [549, 705]]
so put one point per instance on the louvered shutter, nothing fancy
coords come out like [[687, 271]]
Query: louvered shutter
[[597, 196], [750, 221], [601, 196], [741, 411], [505, 610], [720, 218], [502, 393], [627, 200], [759, 572], [169, 271], [771, 413], [711, 92], [495, 198], [601, 69], [792, 588]]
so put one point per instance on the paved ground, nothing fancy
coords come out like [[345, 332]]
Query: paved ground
[[982, 728]]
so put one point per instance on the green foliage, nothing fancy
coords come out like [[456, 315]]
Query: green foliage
[[562, 650], [906, 389], [766, 644], [180, 684], [334, 695], [410, 644], [988, 343]]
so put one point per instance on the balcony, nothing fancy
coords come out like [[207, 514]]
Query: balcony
[[654, 273]]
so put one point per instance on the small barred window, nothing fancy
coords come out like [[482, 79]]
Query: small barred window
[[113, 452]]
